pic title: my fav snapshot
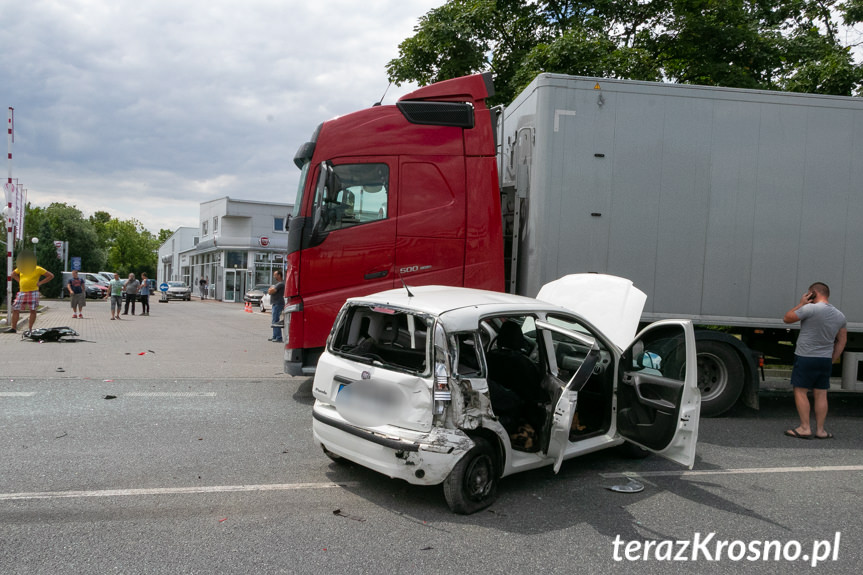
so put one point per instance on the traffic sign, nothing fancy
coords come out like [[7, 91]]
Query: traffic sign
[[163, 287]]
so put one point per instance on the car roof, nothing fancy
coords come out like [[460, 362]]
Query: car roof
[[459, 308]]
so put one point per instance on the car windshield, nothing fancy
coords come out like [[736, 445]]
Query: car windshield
[[383, 336], [261, 287], [176, 284]]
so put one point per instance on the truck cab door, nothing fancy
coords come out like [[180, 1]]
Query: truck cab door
[[351, 248], [658, 401]]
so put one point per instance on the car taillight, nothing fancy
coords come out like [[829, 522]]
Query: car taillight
[[441, 392]]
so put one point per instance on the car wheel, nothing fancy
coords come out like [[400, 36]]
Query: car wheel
[[472, 484], [720, 377], [336, 458]]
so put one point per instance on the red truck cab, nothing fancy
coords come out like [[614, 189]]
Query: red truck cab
[[403, 193]]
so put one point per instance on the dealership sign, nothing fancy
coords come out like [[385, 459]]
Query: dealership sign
[[264, 241]]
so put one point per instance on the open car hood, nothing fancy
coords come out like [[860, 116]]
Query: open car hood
[[610, 303]]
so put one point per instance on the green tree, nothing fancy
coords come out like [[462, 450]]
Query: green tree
[[132, 248], [62, 222], [466, 36], [100, 221], [164, 234], [765, 44]]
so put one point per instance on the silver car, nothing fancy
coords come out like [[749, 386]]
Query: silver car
[[178, 290]]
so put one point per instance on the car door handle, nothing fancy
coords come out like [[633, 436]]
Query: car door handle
[[376, 275], [636, 383]]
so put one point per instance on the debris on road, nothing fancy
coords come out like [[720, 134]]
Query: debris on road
[[631, 487], [338, 512]]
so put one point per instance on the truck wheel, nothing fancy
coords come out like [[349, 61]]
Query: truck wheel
[[720, 377], [472, 484]]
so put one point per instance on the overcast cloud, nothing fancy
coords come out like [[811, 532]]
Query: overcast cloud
[[145, 109]]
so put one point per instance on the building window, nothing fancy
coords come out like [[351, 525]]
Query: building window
[[195, 241], [215, 224], [278, 224], [237, 259], [204, 228]]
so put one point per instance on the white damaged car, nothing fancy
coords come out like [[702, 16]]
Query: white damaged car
[[458, 386]]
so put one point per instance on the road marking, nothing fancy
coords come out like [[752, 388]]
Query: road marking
[[17, 393], [171, 394], [172, 490], [746, 471]]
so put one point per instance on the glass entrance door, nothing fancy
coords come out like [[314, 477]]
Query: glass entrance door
[[230, 286]]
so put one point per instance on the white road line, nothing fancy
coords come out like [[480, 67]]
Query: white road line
[[172, 490], [17, 393], [746, 471], [170, 394]]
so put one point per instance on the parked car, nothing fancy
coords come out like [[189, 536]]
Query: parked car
[[265, 302], [95, 278], [255, 294], [462, 387], [178, 290], [94, 290]]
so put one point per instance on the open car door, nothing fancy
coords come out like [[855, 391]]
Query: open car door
[[567, 399], [658, 401]]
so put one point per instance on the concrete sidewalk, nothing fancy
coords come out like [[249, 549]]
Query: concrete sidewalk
[[195, 339]]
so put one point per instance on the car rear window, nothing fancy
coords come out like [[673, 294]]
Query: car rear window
[[377, 335]]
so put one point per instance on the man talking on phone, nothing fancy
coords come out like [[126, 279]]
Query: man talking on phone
[[823, 333]]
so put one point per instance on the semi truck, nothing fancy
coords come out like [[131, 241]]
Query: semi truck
[[722, 204]]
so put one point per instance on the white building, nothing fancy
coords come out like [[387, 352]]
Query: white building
[[237, 245], [182, 240]]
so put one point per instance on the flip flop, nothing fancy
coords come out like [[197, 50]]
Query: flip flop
[[828, 436], [793, 433]]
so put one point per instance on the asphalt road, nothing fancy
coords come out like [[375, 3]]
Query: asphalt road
[[206, 464]]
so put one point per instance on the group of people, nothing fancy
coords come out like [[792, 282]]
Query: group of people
[[134, 289], [31, 276]]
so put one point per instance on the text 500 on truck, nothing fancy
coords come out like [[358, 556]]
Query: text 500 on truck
[[721, 204]]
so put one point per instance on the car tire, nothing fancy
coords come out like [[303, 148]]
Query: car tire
[[472, 484], [335, 458], [720, 377]]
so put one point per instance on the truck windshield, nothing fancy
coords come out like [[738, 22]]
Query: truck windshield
[[298, 202]]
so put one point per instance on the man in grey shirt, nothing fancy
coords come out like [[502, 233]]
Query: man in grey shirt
[[822, 338], [131, 288]]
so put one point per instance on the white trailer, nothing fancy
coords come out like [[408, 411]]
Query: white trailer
[[722, 204]]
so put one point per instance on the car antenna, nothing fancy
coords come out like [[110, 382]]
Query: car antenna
[[378, 103], [407, 289]]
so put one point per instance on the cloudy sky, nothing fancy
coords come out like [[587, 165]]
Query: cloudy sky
[[145, 109]]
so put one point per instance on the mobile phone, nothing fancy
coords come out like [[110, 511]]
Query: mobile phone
[[811, 296]]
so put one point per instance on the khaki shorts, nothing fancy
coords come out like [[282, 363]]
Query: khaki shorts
[[79, 300]]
